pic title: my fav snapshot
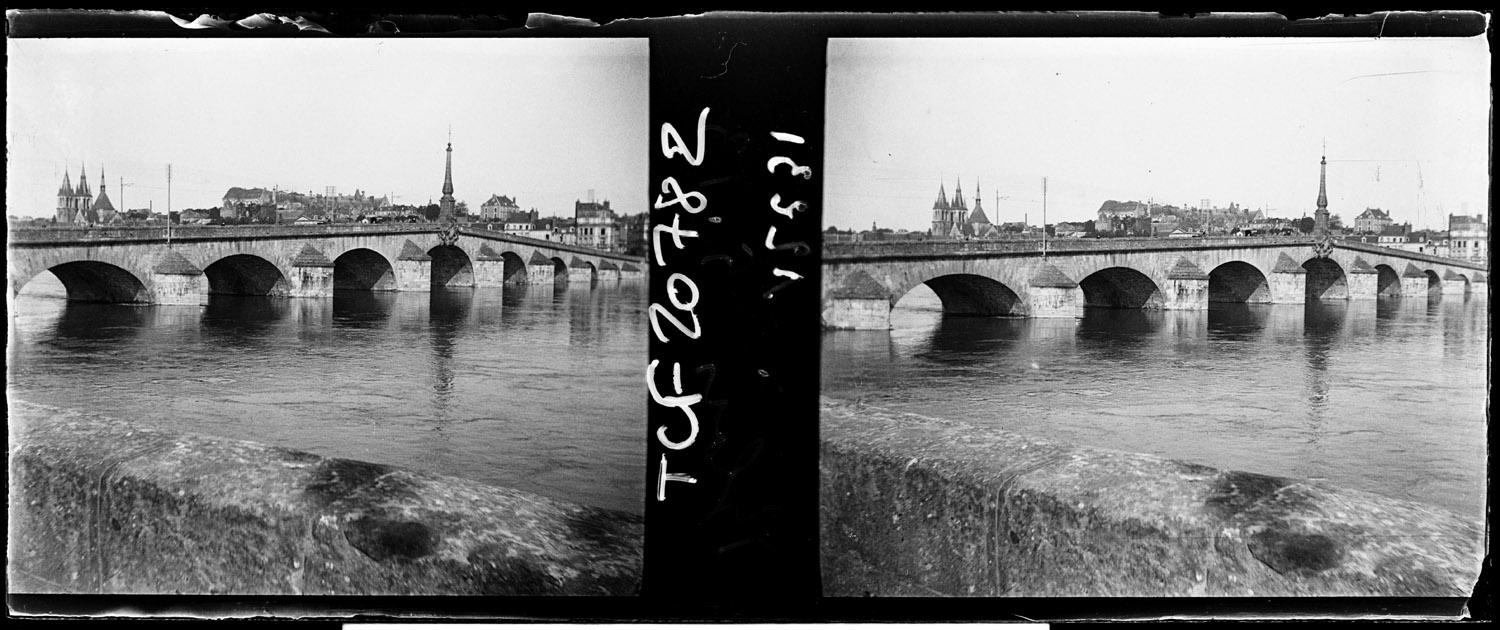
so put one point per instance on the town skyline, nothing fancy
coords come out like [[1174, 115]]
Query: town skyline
[[1173, 122], [527, 116]]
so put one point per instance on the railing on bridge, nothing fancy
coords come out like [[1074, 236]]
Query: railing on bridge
[[145, 234], [1067, 245], [1392, 251], [206, 232], [866, 249]]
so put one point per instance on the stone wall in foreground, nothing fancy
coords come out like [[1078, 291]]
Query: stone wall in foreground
[[104, 506], [917, 506]]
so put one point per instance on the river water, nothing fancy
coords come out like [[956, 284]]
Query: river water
[[1387, 396], [530, 387]]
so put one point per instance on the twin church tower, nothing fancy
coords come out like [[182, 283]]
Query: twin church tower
[[78, 204]]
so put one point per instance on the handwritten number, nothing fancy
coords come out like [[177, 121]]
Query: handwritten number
[[685, 199], [672, 144], [787, 209], [804, 171]]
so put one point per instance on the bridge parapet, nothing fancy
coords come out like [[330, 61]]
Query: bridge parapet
[[897, 248], [208, 232]]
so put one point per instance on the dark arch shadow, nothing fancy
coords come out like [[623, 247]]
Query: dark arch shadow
[[971, 295], [451, 267], [363, 270], [1120, 287], [245, 274], [559, 271], [515, 268], [1434, 284], [1238, 282], [1388, 282], [92, 281], [1326, 280]]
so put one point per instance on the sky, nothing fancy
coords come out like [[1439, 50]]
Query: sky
[[540, 120], [1174, 120]]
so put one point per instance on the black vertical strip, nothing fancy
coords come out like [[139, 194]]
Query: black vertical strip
[[746, 528]]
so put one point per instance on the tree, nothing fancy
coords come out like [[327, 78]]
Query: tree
[[431, 212], [1306, 225]]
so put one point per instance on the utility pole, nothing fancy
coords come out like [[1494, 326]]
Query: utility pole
[[169, 203], [1044, 217]]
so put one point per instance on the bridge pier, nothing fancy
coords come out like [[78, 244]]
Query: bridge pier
[[580, 272], [861, 303], [609, 272], [539, 269], [1363, 280], [413, 269], [629, 271], [1288, 282], [489, 268], [176, 281], [312, 274], [489, 272], [1453, 284], [1053, 294], [1413, 282], [1186, 289]]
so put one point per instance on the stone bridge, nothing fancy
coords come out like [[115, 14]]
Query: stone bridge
[[863, 281], [184, 266]]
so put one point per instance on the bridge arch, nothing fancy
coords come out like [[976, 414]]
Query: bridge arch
[[246, 274], [362, 269], [1387, 281], [1434, 283], [1121, 287], [95, 281], [1326, 280], [1239, 282], [451, 267], [971, 295], [515, 267], [559, 271]]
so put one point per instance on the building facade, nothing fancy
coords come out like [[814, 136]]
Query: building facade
[[499, 208], [1371, 221], [1468, 238], [594, 223]]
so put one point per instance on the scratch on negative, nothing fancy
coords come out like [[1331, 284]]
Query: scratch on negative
[[1387, 16], [725, 65]]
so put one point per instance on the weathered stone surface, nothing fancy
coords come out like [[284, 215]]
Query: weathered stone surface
[[1360, 266], [410, 251], [311, 257], [104, 506], [1049, 276], [914, 505], [1186, 270], [488, 253], [1285, 264], [1412, 271], [170, 262]]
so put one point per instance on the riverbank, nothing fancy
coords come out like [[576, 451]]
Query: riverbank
[[100, 505], [912, 505]]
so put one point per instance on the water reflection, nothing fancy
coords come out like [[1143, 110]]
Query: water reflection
[[362, 310], [1387, 396], [530, 387]]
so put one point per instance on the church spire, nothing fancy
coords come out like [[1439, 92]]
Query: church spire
[[1320, 220], [83, 183], [448, 173], [942, 200], [978, 195], [445, 203]]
